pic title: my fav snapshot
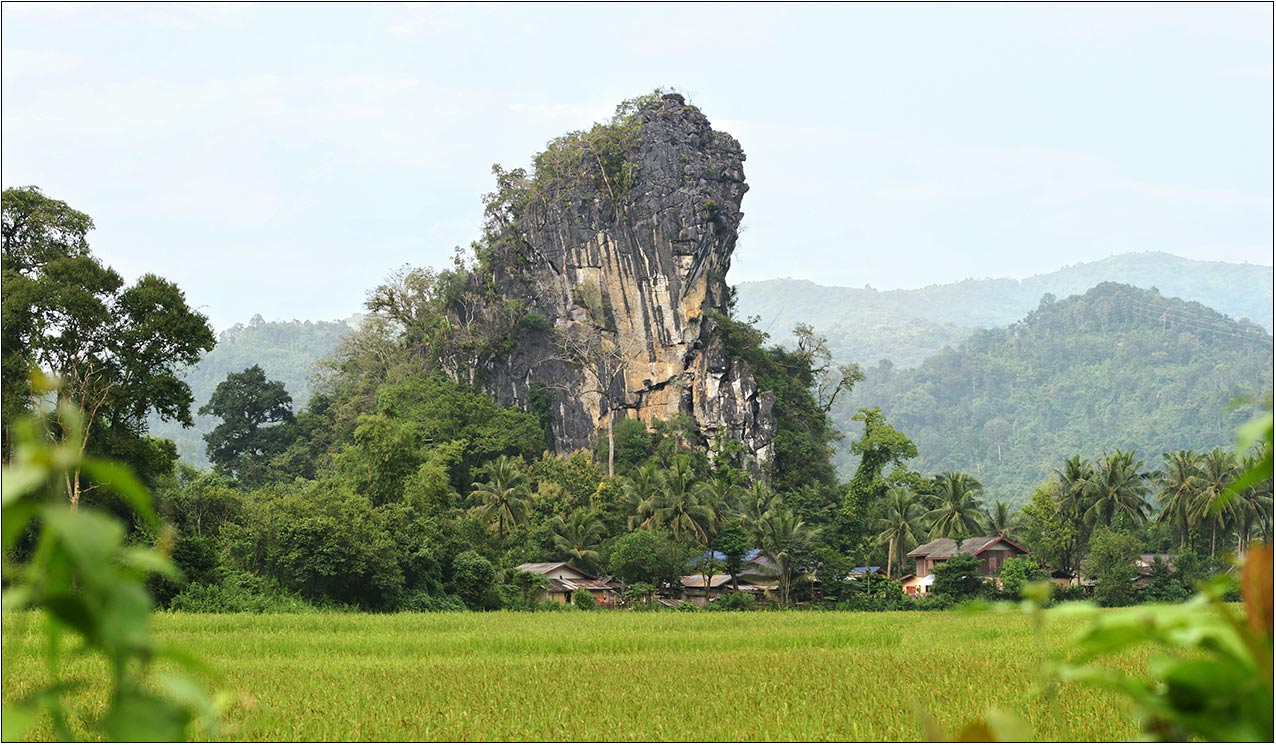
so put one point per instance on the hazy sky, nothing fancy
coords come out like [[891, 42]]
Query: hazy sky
[[283, 159]]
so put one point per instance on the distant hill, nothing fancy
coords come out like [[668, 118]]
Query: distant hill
[[286, 350], [906, 326], [1117, 367]]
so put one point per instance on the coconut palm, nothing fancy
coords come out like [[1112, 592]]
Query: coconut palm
[[1003, 520], [578, 537], [900, 525], [759, 500], [639, 492], [1254, 508], [1119, 485], [1218, 469], [502, 499], [784, 538], [1179, 482], [678, 504], [1076, 484], [959, 512]]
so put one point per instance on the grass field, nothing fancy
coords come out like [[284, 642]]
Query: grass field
[[615, 676]]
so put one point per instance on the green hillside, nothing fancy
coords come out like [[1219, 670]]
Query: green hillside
[[286, 350], [906, 326], [1117, 367]]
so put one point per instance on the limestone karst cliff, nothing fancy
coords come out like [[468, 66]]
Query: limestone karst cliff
[[619, 242]]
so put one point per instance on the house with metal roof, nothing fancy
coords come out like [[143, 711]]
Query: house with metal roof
[[992, 552], [565, 579], [696, 590]]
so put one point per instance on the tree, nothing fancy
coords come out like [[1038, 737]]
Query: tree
[[638, 492], [900, 525], [602, 358], [1053, 528], [1119, 486], [786, 540], [473, 578], [1018, 571], [958, 577], [1003, 521], [1180, 484], [502, 499], [959, 514], [733, 543], [679, 506], [578, 538], [1110, 564], [1218, 469], [879, 446], [252, 410], [116, 349], [647, 556]]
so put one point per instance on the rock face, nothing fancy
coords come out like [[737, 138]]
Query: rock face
[[628, 260]]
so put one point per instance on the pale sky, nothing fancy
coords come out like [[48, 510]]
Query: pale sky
[[283, 159]]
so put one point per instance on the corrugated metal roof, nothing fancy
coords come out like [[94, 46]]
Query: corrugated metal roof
[[945, 548], [696, 581]]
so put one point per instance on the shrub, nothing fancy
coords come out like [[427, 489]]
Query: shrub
[[472, 578], [581, 598], [958, 578], [1019, 571], [239, 592], [733, 601], [420, 601]]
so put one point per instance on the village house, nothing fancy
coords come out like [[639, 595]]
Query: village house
[[992, 552], [693, 588], [565, 579]]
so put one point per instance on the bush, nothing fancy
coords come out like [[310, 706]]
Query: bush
[[1019, 571], [733, 601], [472, 578], [239, 592], [687, 608], [958, 578], [581, 598], [420, 601]]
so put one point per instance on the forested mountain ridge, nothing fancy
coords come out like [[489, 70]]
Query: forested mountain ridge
[[288, 351], [905, 326], [1116, 368]]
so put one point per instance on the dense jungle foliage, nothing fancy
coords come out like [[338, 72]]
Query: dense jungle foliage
[[1115, 368]]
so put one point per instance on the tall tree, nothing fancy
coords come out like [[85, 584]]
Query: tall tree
[[1218, 469], [959, 514], [578, 538], [251, 409], [1179, 485], [900, 525], [502, 499], [786, 540], [679, 506], [1003, 520], [116, 349], [1119, 485]]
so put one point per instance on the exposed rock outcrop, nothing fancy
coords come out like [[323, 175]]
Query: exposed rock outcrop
[[621, 241]]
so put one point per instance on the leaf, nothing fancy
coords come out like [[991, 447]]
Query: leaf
[[72, 611], [120, 479], [89, 538], [141, 717], [1256, 589], [16, 720], [150, 561], [13, 520], [20, 480]]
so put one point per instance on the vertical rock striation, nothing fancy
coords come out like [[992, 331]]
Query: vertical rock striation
[[624, 236]]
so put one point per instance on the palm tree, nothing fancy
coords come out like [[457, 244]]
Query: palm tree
[[1003, 520], [1253, 508], [959, 513], [1076, 485], [1218, 469], [578, 537], [1118, 486], [900, 525], [1180, 482], [678, 504], [502, 499], [783, 538], [639, 492], [759, 500]]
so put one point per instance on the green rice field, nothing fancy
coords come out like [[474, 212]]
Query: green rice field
[[614, 676]]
